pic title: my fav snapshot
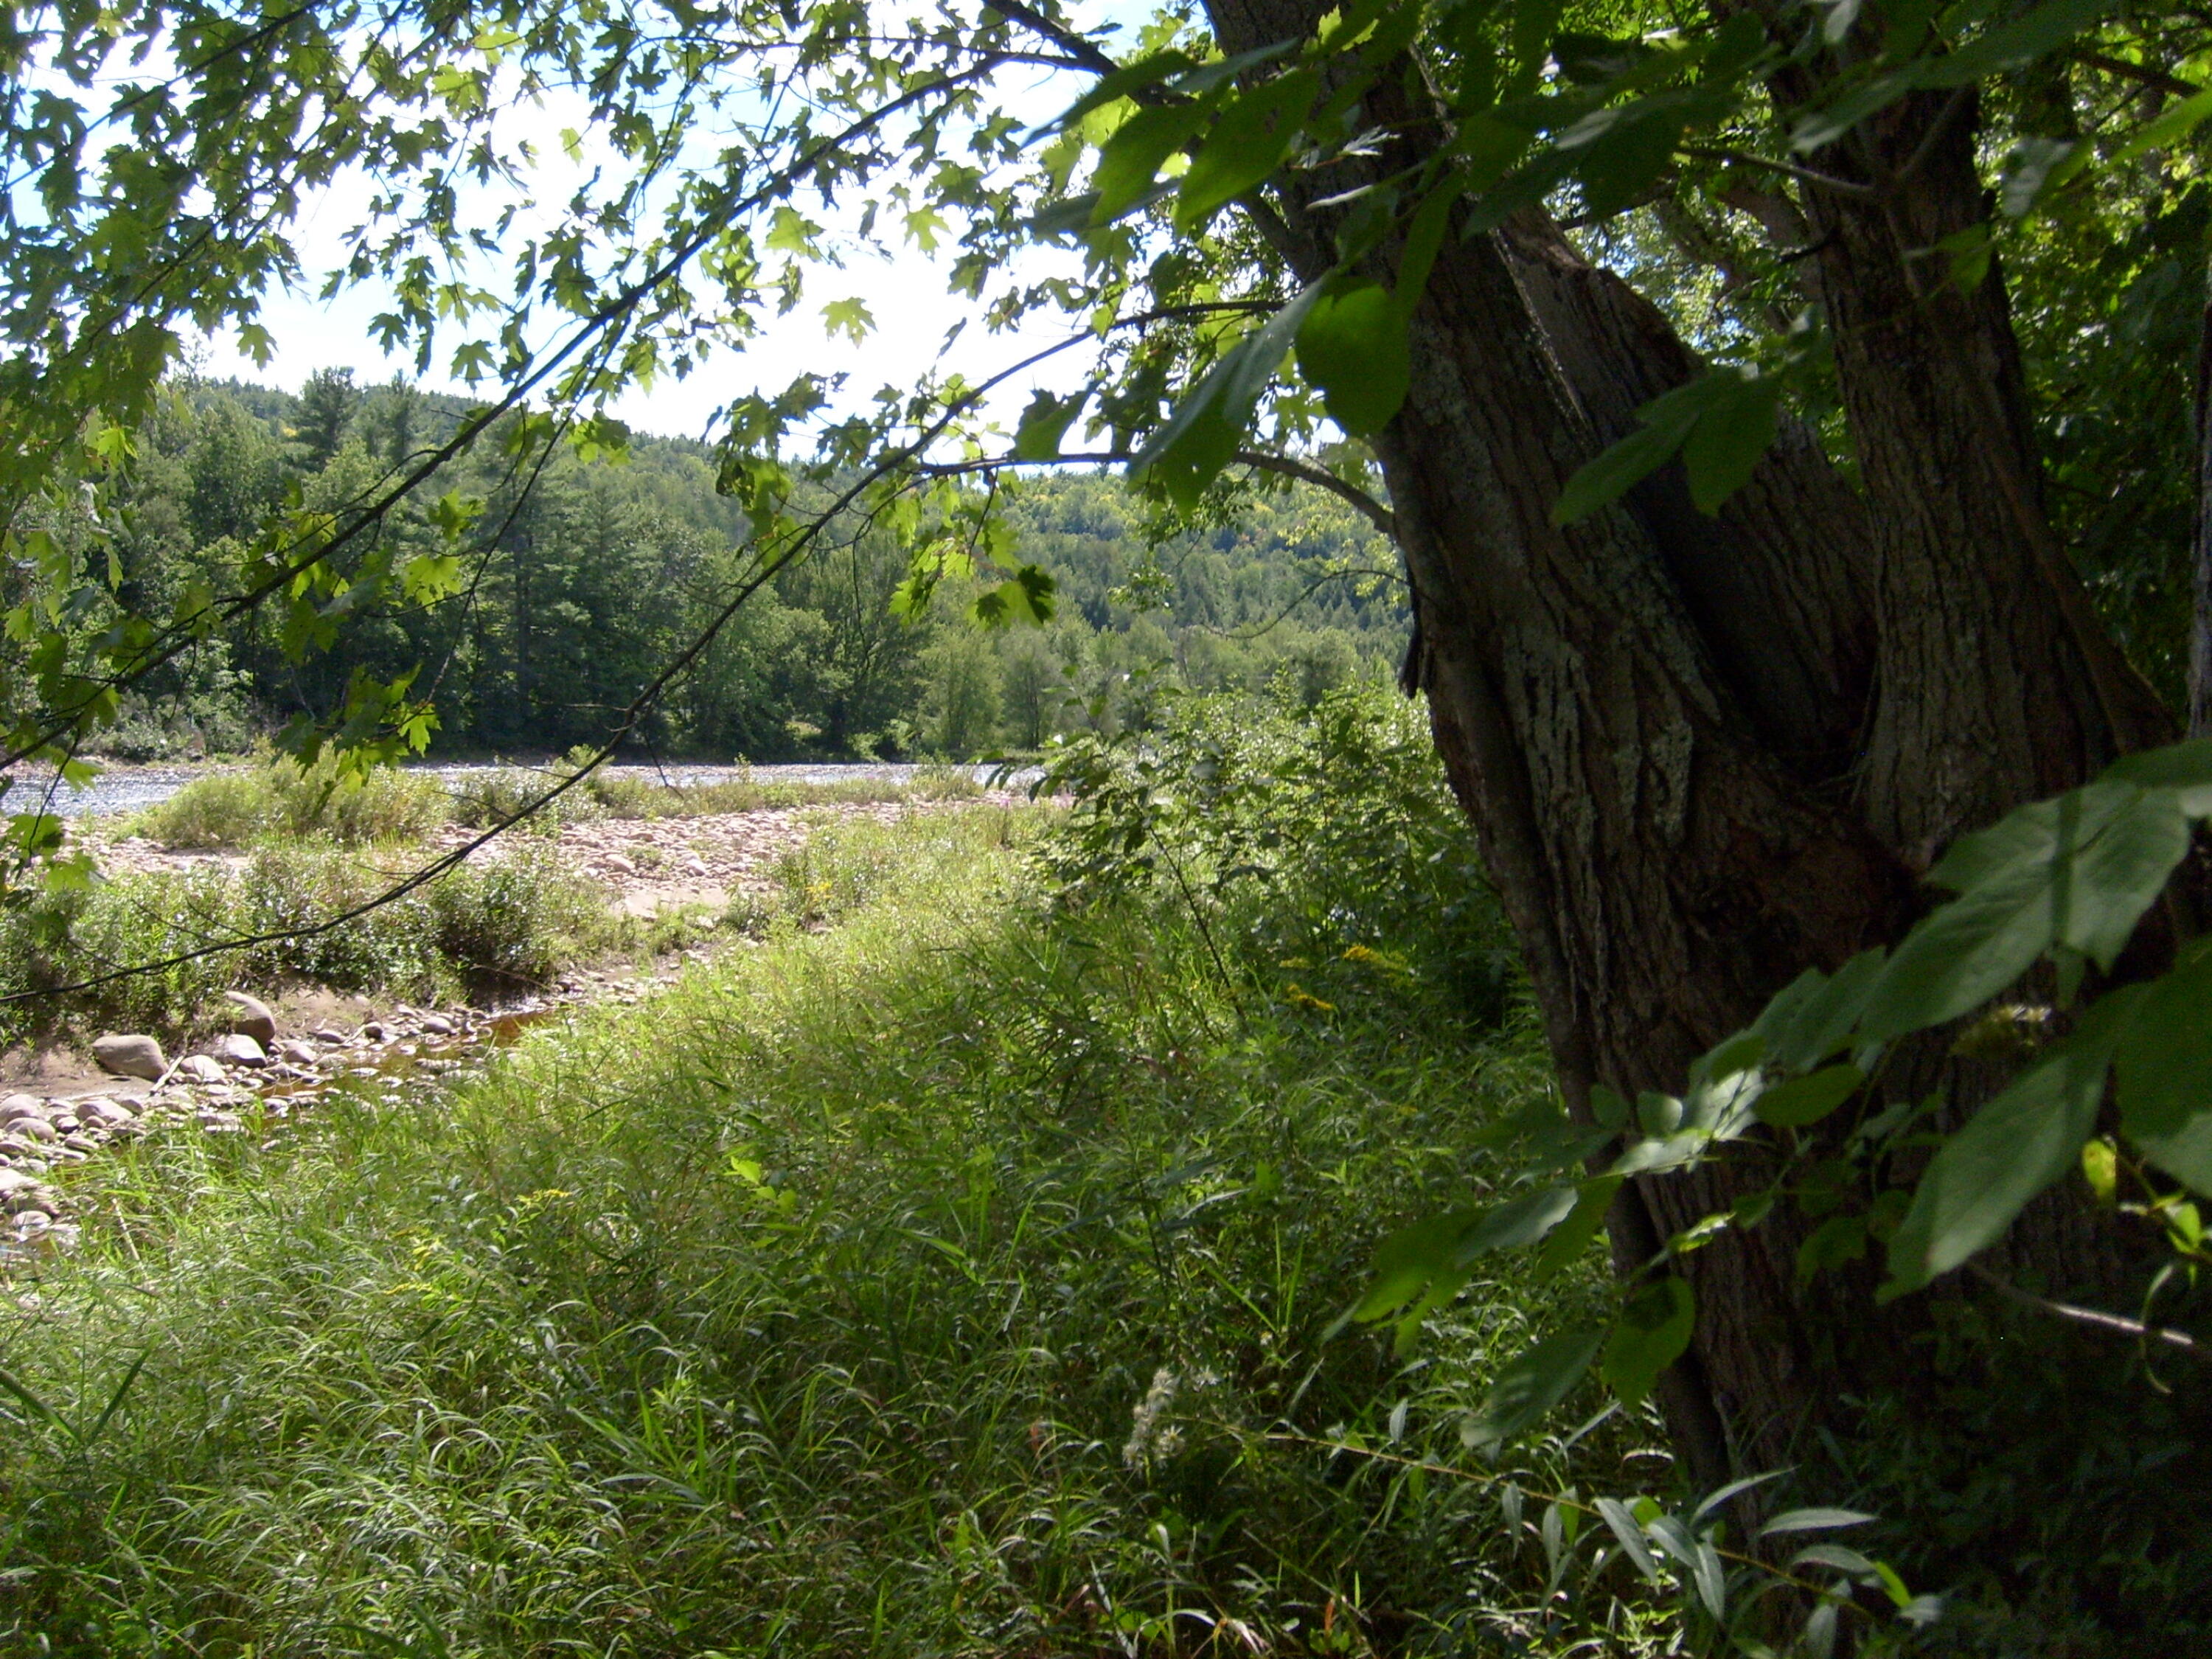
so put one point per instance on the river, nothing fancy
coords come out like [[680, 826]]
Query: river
[[129, 788]]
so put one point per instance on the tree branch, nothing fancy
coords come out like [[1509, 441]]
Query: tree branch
[[1369, 509], [1081, 47], [2103, 1322], [1850, 189], [2142, 74]]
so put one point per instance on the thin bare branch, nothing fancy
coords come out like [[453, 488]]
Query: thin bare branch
[[2116, 1324]]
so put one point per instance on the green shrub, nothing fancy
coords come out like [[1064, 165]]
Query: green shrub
[[516, 919], [223, 809], [282, 798], [482, 798], [484, 927]]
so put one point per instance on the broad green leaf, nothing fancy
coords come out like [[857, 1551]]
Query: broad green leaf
[[1195, 442], [1524, 1221], [2012, 1149], [1128, 79], [1618, 152], [1815, 1015], [1666, 422], [1651, 1334], [1533, 1384], [2011, 45], [1353, 345], [1724, 448], [1248, 141], [1026, 596], [1594, 1199], [2163, 1069], [1132, 158], [1408, 1259], [1619, 469], [1044, 423], [2078, 870], [2184, 768], [1438, 1248], [1808, 1099], [848, 317], [1838, 1240]]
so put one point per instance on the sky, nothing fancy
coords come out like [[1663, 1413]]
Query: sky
[[906, 295]]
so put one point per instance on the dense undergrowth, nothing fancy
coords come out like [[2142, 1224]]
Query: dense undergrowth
[[949, 1273]]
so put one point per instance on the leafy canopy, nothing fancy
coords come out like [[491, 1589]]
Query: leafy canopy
[[157, 157]]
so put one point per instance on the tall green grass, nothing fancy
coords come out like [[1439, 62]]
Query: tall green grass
[[954, 1281]]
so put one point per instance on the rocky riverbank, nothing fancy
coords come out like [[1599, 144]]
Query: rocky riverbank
[[236, 1083], [267, 1062]]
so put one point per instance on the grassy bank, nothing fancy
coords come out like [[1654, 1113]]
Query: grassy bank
[[955, 1281]]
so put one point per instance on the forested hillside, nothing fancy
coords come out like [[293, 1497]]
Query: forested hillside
[[579, 581]]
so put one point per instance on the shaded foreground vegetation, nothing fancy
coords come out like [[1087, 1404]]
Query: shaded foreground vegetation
[[956, 1270], [808, 1309]]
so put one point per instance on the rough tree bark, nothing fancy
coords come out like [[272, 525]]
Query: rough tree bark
[[1701, 755], [2200, 631]]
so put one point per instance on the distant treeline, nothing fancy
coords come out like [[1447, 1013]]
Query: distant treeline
[[581, 579]]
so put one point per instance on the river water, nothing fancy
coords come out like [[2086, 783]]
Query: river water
[[129, 788]]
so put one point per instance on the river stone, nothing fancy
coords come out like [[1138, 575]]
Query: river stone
[[201, 1069], [253, 1017], [113, 1113], [12, 1181], [301, 1054], [33, 1128], [240, 1050], [16, 1106], [130, 1055], [437, 1025]]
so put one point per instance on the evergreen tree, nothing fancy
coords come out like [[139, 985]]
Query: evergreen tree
[[325, 415]]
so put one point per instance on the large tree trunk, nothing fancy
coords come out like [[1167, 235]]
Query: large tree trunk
[[1702, 755]]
